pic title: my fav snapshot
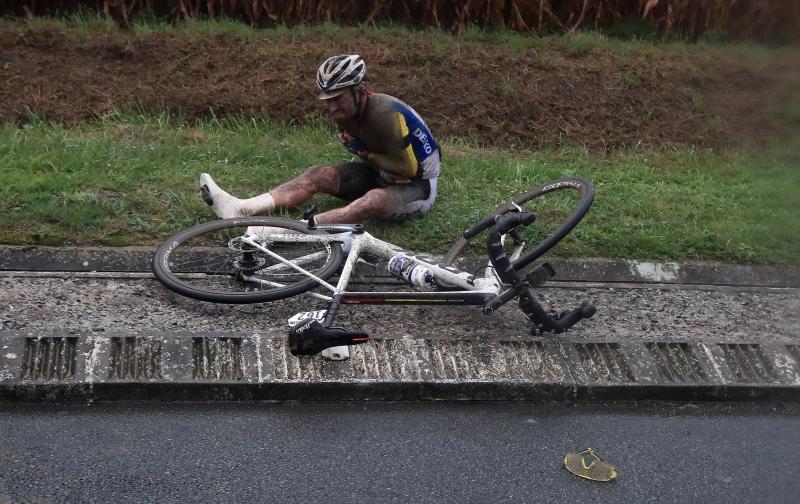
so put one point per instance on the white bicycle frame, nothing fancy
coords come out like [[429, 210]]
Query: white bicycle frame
[[358, 243], [474, 290]]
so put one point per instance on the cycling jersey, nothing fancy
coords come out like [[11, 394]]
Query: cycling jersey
[[397, 141]]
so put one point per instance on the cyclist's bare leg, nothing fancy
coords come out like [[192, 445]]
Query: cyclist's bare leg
[[375, 203], [316, 179], [325, 179]]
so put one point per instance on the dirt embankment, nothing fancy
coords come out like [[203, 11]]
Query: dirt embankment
[[484, 91]]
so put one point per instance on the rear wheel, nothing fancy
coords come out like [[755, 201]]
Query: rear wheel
[[211, 262], [558, 206]]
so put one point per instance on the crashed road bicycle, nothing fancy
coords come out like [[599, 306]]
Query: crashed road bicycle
[[260, 259]]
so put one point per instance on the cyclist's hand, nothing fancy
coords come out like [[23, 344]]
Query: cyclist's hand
[[353, 144]]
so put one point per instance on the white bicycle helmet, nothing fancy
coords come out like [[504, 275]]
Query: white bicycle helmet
[[338, 73]]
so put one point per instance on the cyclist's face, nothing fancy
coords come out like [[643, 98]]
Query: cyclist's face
[[342, 107]]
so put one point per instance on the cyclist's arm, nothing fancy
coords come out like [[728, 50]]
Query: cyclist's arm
[[396, 155]]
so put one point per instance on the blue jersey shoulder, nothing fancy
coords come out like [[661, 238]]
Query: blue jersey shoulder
[[420, 136]]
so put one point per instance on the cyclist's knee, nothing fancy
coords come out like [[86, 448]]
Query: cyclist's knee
[[376, 202], [325, 178]]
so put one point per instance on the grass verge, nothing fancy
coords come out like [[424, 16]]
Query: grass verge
[[86, 24], [131, 180]]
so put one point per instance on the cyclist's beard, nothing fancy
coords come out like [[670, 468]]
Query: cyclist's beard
[[343, 124], [356, 116]]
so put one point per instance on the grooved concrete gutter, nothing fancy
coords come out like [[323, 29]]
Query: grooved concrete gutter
[[229, 366], [68, 365]]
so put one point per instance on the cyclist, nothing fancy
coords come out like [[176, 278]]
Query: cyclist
[[398, 158]]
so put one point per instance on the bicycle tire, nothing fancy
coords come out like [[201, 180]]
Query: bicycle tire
[[586, 197], [202, 258]]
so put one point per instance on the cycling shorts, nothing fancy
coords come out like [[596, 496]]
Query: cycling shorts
[[406, 199]]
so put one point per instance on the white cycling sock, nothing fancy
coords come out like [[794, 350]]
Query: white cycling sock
[[226, 206], [257, 205]]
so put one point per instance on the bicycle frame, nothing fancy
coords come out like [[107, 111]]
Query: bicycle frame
[[472, 290]]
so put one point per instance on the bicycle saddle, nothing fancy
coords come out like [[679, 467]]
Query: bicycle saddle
[[309, 337]]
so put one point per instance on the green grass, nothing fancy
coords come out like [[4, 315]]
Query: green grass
[[580, 43], [621, 38], [132, 180]]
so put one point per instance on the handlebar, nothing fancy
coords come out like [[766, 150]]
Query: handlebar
[[521, 285], [497, 254], [488, 222], [476, 229], [542, 321]]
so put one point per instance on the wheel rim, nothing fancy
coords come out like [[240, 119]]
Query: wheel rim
[[211, 262], [558, 206]]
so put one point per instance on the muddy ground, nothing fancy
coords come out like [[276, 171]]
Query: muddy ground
[[483, 91]]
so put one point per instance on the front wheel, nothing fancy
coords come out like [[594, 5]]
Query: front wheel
[[211, 262], [558, 206]]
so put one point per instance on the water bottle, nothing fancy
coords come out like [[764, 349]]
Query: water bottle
[[413, 273]]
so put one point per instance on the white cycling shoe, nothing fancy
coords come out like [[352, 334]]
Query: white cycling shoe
[[222, 203], [226, 206]]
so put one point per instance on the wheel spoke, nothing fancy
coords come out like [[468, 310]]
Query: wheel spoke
[[219, 262]]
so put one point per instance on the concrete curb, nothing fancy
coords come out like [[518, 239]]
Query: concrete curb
[[137, 259], [102, 366], [234, 366]]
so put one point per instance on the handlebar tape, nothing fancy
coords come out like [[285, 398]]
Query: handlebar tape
[[475, 230], [497, 254]]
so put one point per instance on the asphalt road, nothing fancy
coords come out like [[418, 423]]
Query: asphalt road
[[396, 452]]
